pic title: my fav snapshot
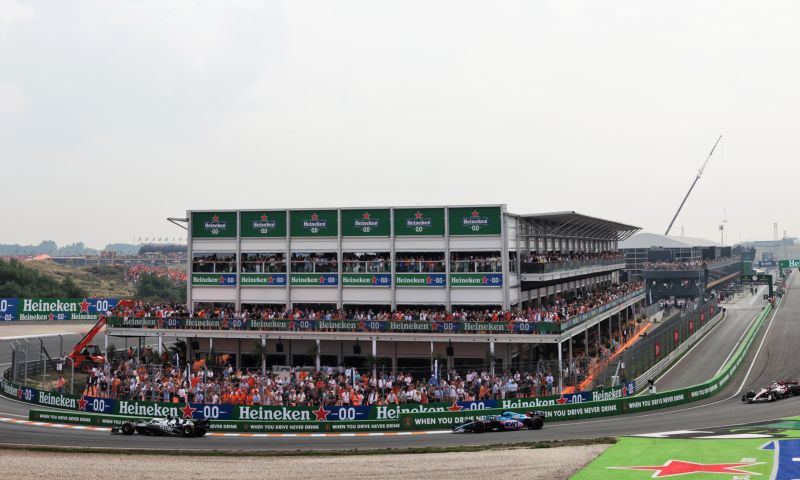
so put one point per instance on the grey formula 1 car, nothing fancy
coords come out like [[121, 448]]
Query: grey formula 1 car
[[503, 422], [164, 427]]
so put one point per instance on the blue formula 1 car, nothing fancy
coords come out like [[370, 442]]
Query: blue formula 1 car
[[504, 422]]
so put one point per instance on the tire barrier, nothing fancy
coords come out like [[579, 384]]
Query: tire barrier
[[248, 418]]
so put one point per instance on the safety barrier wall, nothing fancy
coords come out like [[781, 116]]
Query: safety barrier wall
[[598, 403]]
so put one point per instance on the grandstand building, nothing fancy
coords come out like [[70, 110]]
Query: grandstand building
[[446, 256]]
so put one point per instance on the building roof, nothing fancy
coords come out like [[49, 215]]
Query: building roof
[[572, 224], [649, 240]]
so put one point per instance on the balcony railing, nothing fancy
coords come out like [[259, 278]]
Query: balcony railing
[[552, 267], [370, 326]]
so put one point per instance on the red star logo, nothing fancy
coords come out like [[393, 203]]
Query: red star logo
[[374, 280], [434, 326], [20, 393], [475, 214], [82, 402], [160, 322], [702, 317], [322, 414], [510, 326], [362, 326], [658, 349], [624, 391], [52, 317], [291, 324], [321, 279], [418, 215], [84, 306], [215, 218], [455, 407], [428, 280], [263, 217], [691, 325], [484, 280], [679, 467], [314, 217], [188, 411], [269, 279], [562, 400], [365, 216]]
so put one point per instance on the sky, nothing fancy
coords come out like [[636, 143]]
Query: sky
[[115, 115]]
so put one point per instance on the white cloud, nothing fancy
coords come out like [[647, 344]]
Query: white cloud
[[11, 99], [13, 11]]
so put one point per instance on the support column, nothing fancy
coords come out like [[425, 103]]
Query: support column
[[317, 360], [491, 353], [560, 371], [160, 346], [264, 356], [394, 357], [571, 369], [374, 358], [105, 346]]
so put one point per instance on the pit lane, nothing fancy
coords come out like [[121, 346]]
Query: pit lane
[[771, 357]]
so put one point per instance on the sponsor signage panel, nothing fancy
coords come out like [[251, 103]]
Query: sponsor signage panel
[[8, 309], [263, 224], [367, 279], [365, 223], [263, 279], [61, 308], [314, 223], [785, 263], [418, 221], [476, 280], [213, 224], [214, 279], [314, 279], [420, 279], [474, 220]]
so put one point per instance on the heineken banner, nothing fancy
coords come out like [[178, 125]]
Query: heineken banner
[[317, 413], [214, 279], [366, 326], [314, 223], [366, 279], [418, 221], [55, 308], [314, 279], [213, 224], [263, 279], [365, 223], [263, 224], [476, 279], [474, 220], [420, 279]]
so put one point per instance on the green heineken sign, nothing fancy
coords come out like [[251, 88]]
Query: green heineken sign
[[420, 279], [419, 221], [365, 223], [263, 224], [262, 279], [314, 279], [314, 223], [789, 264], [213, 224], [474, 220]]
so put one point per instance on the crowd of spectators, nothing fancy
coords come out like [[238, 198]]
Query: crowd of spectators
[[686, 264], [128, 378], [263, 263], [214, 263], [314, 263], [561, 309], [476, 262], [366, 262], [135, 271], [562, 257], [420, 262]]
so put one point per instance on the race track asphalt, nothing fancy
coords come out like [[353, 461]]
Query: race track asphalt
[[772, 356]]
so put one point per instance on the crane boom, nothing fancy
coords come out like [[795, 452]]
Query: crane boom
[[699, 174]]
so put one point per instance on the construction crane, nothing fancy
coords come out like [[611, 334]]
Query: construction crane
[[699, 174]]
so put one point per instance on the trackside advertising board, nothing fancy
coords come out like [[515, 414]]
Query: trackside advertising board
[[30, 309]]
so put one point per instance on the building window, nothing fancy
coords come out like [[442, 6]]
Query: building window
[[367, 262], [476, 262], [419, 262], [314, 262], [264, 262], [214, 263]]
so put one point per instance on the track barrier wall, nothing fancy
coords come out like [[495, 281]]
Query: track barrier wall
[[245, 418]]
